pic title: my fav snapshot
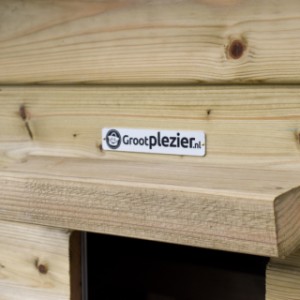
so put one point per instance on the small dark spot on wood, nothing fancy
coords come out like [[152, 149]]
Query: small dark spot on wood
[[22, 112], [297, 136], [74, 135], [100, 147], [236, 49], [42, 268], [2, 266], [208, 112]]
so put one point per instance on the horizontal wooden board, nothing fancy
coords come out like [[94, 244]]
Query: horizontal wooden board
[[251, 126], [242, 196], [34, 262], [141, 41], [219, 208]]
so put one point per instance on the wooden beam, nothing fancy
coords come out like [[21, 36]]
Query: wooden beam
[[283, 277], [34, 262], [136, 41], [215, 207]]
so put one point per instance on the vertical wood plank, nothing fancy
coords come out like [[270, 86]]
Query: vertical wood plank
[[34, 262], [283, 278]]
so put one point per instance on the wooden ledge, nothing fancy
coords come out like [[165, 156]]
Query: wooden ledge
[[239, 209]]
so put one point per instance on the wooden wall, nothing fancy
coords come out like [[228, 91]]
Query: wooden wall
[[69, 67], [34, 262]]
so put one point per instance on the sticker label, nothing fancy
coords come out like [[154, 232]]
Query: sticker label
[[176, 142]]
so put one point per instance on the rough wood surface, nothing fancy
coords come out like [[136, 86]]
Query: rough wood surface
[[218, 208], [242, 196], [34, 262], [141, 41], [283, 277]]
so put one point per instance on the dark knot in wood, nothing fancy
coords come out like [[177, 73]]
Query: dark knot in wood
[[236, 49]]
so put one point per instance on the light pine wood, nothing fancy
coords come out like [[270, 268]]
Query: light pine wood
[[254, 126], [141, 41], [283, 277], [34, 262], [287, 213], [214, 207], [242, 196]]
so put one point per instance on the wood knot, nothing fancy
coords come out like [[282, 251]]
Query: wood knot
[[24, 116], [42, 268], [22, 112], [236, 49]]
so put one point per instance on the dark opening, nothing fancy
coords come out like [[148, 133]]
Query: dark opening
[[130, 269]]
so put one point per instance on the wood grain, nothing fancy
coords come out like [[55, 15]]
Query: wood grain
[[242, 196], [255, 126], [213, 207], [34, 262], [139, 41], [282, 278]]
